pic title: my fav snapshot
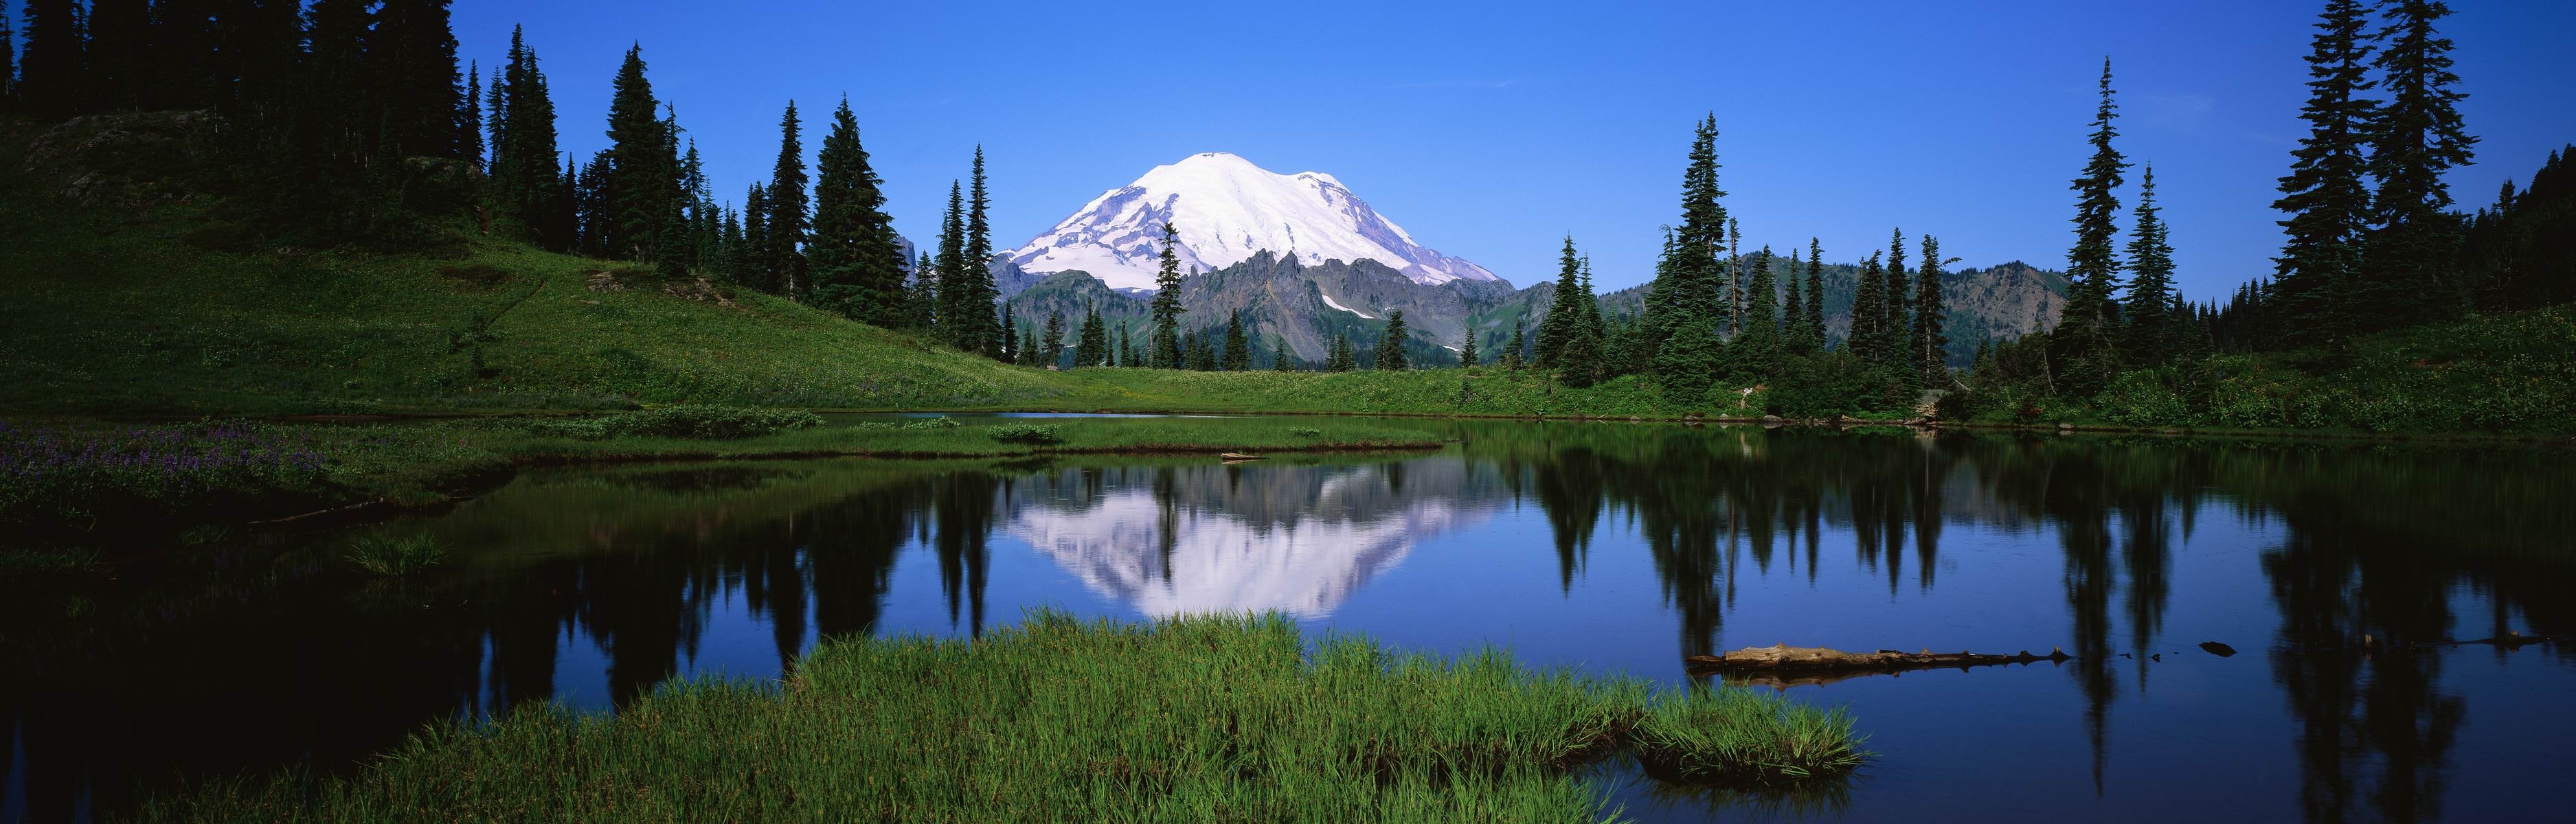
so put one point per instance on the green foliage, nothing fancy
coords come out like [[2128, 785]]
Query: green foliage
[[1838, 383], [692, 421], [391, 557], [1041, 722], [1024, 433]]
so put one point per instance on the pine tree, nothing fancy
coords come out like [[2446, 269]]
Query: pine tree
[[857, 263], [8, 63], [526, 184], [1793, 313], [2083, 352], [1390, 346], [1126, 347], [1931, 318], [469, 119], [639, 174], [1687, 291], [411, 78], [2325, 193], [1467, 347], [1164, 352], [2409, 266], [1561, 312], [975, 266], [1512, 350], [50, 81], [784, 258], [1053, 354], [114, 57], [1202, 350], [1815, 333], [751, 261], [1897, 344], [1869, 309], [2150, 335], [1279, 359], [1091, 346], [957, 324], [1010, 351], [1238, 349], [1757, 346]]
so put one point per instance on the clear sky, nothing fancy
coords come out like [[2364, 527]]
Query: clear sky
[[1490, 130]]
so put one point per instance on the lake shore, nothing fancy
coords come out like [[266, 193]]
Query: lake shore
[[1207, 718]]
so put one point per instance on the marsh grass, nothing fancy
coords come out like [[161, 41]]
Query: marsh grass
[[1195, 719], [392, 557], [1025, 433]]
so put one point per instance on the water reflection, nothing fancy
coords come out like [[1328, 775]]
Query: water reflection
[[591, 586]]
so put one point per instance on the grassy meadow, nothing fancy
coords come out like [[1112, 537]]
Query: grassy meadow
[[1193, 719]]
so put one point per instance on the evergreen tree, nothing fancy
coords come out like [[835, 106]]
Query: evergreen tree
[[1757, 346], [1561, 312], [1091, 345], [1126, 347], [50, 81], [857, 262], [1931, 318], [1869, 309], [1390, 346], [2150, 335], [411, 78], [1467, 347], [2082, 349], [8, 63], [2417, 135], [114, 57], [957, 324], [751, 267], [1579, 361], [1053, 354], [1010, 351], [1202, 348], [469, 120], [1164, 352], [1512, 349], [1815, 334], [784, 258], [1238, 349], [2325, 194], [526, 184], [639, 178], [1897, 344], [975, 266], [1279, 359], [1793, 313], [1687, 291]]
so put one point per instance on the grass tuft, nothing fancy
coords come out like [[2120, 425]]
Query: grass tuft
[[396, 557], [1025, 433]]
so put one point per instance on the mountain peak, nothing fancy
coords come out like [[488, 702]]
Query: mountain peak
[[1225, 208]]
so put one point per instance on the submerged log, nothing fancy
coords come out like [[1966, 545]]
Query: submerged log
[[2509, 640], [1238, 456], [1786, 665]]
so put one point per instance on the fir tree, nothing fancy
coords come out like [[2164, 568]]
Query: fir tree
[[469, 120], [1279, 359], [2325, 194], [1010, 350], [2082, 350], [1091, 345], [526, 185], [2415, 137], [1126, 347], [1931, 317], [1238, 349], [975, 266], [857, 263], [1053, 353], [639, 177], [1897, 329], [1869, 309], [1815, 334], [1687, 291], [1793, 313], [8, 63], [1202, 350], [114, 57], [957, 324], [1164, 351], [1512, 349], [751, 267], [2150, 334], [1757, 346], [411, 78], [784, 258], [1390, 346], [50, 81], [1467, 347], [1561, 312]]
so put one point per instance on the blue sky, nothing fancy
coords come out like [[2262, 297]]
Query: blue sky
[[1490, 130]]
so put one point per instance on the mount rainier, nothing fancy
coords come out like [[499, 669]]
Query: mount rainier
[[1225, 209]]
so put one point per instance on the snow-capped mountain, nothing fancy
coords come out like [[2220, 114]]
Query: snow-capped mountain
[[1225, 209]]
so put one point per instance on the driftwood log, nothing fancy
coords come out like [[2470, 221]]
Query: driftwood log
[[1784, 665]]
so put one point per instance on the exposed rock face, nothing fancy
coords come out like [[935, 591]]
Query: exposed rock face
[[124, 159]]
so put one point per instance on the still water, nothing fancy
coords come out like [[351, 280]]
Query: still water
[[1604, 546]]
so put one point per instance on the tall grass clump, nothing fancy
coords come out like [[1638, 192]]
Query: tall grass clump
[[1195, 719], [392, 557], [1025, 433], [1738, 736], [690, 421]]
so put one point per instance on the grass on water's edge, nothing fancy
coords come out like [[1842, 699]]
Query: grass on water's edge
[[1191, 719]]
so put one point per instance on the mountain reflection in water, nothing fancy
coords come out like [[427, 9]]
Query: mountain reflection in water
[[1604, 546]]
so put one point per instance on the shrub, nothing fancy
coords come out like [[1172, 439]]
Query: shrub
[[1306, 432], [1025, 433], [933, 422], [695, 422], [394, 557]]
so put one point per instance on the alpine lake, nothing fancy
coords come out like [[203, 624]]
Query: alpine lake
[[2257, 628]]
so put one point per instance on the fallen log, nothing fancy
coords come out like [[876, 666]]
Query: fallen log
[[2511, 639], [1788, 665], [1238, 456]]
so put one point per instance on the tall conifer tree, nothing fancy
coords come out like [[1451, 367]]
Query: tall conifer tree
[[1868, 311], [1390, 345], [788, 221], [1931, 318], [114, 58], [2083, 349], [857, 263], [1238, 348], [1815, 334], [2150, 334], [1164, 352], [2325, 191], [469, 120], [1757, 345], [1280, 360], [1512, 350], [50, 80], [1896, 345], [956, 325], [1467, 347], [2410, 261]]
